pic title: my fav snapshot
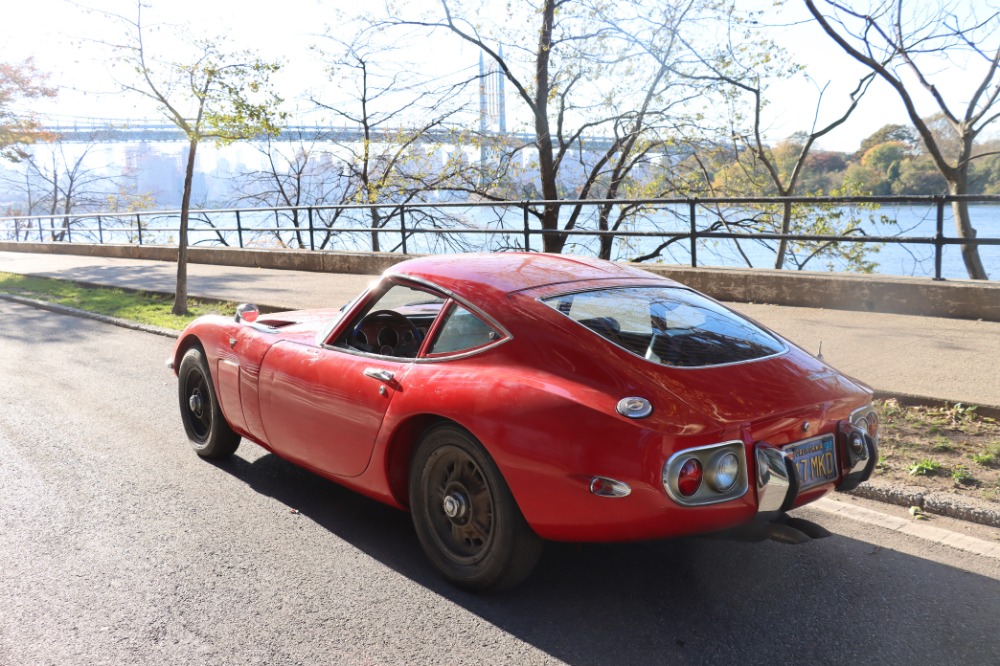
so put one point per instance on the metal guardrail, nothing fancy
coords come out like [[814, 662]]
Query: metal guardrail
[[132, 224]]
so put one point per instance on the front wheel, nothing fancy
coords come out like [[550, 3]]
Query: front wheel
[[465, 516], [204, 423]]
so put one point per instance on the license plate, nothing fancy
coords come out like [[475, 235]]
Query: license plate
[[815, 461]]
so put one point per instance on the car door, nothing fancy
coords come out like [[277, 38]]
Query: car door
[[322, 407]]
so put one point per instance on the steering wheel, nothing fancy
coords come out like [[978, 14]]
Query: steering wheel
[[381, 318]]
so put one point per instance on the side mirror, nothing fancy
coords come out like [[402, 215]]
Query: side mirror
[[247, 312]]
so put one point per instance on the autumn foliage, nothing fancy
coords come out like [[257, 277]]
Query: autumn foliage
[[19, 82]]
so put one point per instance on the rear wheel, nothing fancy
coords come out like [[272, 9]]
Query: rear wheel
[[204, 423], [465, 516]]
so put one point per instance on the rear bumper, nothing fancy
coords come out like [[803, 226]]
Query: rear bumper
[[861, 462], [778, 484]]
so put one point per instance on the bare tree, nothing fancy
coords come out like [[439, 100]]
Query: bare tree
[[745, 75], [208, 94], [59, 179], [301, 176], [397, 122], [584, 75], [907, 45], [69, 183]]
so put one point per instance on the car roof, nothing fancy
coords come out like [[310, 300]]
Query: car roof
[[507, 272]]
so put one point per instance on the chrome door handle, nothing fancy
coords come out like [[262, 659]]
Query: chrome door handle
[[381, 375]]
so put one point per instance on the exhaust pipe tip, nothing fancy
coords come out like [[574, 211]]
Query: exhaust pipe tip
[[809, 528], [786, 534], [784, 529]]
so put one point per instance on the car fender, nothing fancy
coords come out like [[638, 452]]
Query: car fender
[[562, 435]]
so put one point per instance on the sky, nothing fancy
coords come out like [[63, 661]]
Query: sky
[[62, 39]]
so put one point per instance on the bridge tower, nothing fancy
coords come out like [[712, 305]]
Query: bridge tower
[[492, 108]]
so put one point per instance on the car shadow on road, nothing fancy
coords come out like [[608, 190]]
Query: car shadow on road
[[687, 600]]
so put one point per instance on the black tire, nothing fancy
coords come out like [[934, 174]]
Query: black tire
[[466, 519], [204, 423]]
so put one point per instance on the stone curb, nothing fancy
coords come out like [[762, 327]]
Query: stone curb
[[74, 312], [938, 503], [909, 400]]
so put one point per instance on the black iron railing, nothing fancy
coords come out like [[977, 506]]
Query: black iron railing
[[312, 227]]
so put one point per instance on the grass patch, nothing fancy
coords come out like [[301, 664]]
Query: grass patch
[[989, 457], [925, 467], [949, 448], [138, 306], [963, 476]]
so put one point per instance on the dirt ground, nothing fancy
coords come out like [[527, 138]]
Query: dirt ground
[[947, 450]]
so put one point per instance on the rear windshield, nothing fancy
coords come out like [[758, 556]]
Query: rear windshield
[[668, 325]]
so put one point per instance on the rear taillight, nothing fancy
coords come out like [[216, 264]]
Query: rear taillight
[[723, 471], [872, 420], [689, 477], [866, 418]]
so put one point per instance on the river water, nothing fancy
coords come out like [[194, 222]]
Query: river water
[[889, 258], [506, 226]]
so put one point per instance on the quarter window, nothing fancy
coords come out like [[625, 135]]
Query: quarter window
[[462, 331]]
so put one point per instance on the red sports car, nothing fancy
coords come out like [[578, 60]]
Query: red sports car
[[507, 399]]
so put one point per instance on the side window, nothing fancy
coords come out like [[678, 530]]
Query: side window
[[462, 331], [394, 322]]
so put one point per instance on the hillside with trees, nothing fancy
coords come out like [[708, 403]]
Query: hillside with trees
[[891, 162]]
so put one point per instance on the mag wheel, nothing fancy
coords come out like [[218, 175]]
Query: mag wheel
[[465, 517], [204, 423]]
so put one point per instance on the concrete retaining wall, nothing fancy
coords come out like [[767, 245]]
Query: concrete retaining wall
[[366, 263], [960, 299]]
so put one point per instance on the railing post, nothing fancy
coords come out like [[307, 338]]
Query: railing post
[[527, 229], [692, 207], [938, 237], [402, 226], [41, 237], [138, 226], [239, 228], [69, 232], [312, 239], [100, 231]]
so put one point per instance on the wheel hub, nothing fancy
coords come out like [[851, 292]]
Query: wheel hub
[[455, 505], [196, 403]]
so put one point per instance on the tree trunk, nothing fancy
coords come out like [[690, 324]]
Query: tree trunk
[[67, 208], [546, 159], [376, 224], [786, 225], [54, 208], [606, 242], [963, 226], [180, 291]]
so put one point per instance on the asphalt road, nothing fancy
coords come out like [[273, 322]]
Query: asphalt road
[[933, 357], [119, 546]]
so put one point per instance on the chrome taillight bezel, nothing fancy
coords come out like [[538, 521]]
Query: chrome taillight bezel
[[867, 419], [708, 456]]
